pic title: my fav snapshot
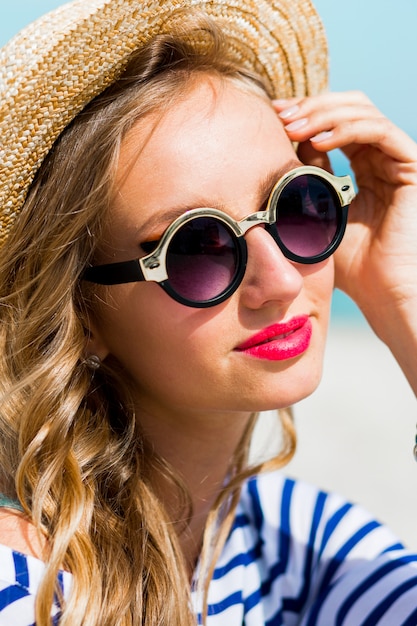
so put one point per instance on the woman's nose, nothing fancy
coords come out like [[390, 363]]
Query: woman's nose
[[269, 275]]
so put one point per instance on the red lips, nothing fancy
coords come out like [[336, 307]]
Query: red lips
[[280, 341]]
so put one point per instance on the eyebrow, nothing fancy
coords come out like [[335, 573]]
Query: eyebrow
[[271, 178], [263, 192]]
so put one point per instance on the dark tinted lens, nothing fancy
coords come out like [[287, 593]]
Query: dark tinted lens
[[308, 215], [202, 259]]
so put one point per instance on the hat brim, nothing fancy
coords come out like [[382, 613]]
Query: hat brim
[[53, 68]]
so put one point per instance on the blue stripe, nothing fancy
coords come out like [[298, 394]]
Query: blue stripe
[[342, 553], [285, 532], [21, 568], [234, 598], [332, 524], [284, 539], [284, 544], [412, 620], [383, 607], [60, 591], [393, 548], [375, 577], [258, 515], [242, 559], [276, 620], [334, 564], [283, 552], [252, 555], [241, 520], [253, 600], [296, 605], [11, 594]]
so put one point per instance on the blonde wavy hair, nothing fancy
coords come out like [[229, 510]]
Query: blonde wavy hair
[[71, 447]]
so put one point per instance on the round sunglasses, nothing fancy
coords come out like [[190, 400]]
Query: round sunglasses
[[201, 258]]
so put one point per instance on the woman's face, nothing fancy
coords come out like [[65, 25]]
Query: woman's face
[[214, 148]]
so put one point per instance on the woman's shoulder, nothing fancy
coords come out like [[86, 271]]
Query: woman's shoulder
[[275, 505], [21, 569], [297, 550], [18, 533]]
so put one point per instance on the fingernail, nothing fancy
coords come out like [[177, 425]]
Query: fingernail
[[289, 112], [297, 124], [326, 134], [280, 102]]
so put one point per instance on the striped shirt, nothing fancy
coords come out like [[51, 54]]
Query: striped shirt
[[295, 556]]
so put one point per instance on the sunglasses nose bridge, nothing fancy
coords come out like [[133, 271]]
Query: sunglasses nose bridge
[[255, 219]]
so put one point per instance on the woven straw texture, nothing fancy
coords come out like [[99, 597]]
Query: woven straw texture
[[55, 66]]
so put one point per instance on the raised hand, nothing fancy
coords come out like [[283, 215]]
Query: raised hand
[[377, 261]]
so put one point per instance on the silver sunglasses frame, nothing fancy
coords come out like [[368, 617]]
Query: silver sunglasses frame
[[152, 267]]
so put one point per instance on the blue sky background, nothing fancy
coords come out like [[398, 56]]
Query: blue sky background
[[373, 47]]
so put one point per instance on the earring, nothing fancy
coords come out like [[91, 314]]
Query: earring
[[93, 362], [415, 448]]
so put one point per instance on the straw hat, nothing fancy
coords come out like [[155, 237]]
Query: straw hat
[[55, 66]]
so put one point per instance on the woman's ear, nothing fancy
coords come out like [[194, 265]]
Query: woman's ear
[[95, 344]]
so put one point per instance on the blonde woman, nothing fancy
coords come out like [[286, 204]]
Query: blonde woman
[[166, 274]]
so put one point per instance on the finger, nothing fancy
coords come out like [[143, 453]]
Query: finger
[[310, 156], [349, 121], [379, 133], [322, 101], [385, 168], [350, 134], [281, 105], [301, 127]]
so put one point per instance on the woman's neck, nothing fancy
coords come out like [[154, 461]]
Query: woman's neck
[[199, 450]]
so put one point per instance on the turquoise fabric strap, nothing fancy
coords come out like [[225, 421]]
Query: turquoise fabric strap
[[6, 502]]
